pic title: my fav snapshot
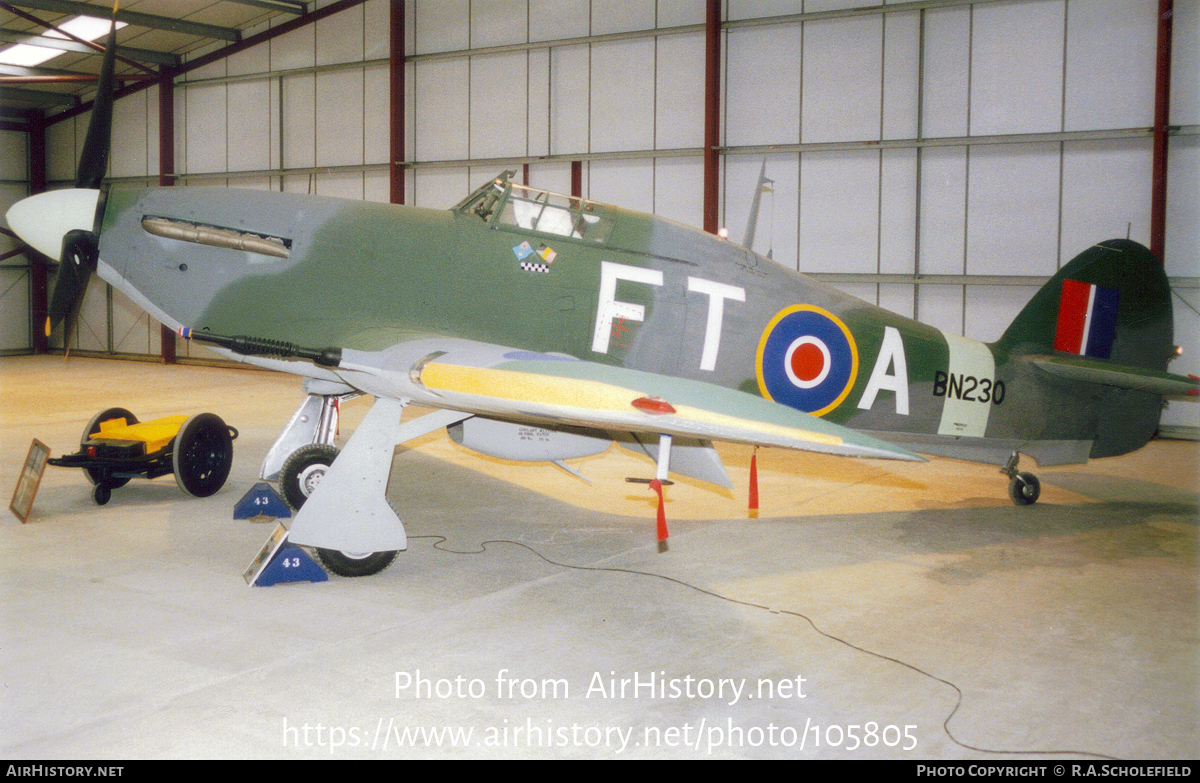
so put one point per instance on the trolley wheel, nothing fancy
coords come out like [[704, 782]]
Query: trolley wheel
[[95, 475], [351, 564], [1024, 489], [202, 454], [303, 470], [102, 492]]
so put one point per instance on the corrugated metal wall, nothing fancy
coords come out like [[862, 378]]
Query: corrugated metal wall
[[14, 272]]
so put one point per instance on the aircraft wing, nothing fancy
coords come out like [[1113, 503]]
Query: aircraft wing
[[504, 383]]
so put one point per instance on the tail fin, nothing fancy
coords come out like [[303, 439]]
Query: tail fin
[[1111, 302]]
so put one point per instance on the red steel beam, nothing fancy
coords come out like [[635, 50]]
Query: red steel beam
[[712, 113], [577, 178], [1162, 118], [166, 128], [37, 151], [397, 111]]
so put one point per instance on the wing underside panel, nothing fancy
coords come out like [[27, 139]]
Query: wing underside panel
[[585, 394], [556, 391]]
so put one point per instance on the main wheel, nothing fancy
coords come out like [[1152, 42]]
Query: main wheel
[[202, 455], [1024, 489], [351, 564], [94, 475], [303, 470]]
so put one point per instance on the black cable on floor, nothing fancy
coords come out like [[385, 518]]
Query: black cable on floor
[[439, 540]]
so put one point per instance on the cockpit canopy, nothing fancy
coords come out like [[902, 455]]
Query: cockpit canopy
[[502, 203]]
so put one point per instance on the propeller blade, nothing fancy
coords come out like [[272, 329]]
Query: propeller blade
[[77, 262], [93, 161], [81, 248]]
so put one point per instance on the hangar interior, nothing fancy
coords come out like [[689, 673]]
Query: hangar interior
[[940, 158]]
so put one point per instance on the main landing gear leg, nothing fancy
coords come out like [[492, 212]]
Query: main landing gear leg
[[314, 422], [347, 517], [1023, 488]]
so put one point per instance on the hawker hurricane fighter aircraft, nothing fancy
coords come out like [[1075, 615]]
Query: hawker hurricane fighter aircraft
[[544, 327]]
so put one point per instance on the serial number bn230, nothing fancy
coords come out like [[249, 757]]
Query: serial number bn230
[[968, 387]]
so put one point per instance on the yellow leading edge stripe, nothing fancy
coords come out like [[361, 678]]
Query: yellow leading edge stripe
[[588, 395]]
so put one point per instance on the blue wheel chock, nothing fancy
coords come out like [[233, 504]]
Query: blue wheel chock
[[279, 560], [261, 501], [290, 564]]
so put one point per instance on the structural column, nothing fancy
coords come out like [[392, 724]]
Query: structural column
[[38, 274], [166, 168], [712, 113], [398, 109], [1162, 118]]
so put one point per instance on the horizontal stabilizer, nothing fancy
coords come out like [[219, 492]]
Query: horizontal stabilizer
[[1121, 376]]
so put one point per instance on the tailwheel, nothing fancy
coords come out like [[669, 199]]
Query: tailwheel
[[353, 564], [1024, 489]]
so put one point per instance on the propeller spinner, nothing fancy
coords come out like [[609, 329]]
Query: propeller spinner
[[61, 223]]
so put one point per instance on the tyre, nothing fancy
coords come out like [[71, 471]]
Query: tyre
[[94, 475], [102, 492], [349, 564], [1024, 489], [202, 455], [303, 470]]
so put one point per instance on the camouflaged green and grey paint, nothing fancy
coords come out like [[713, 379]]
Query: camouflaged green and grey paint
[[650, 295]]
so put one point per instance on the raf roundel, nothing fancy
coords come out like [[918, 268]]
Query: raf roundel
[[807, 359]]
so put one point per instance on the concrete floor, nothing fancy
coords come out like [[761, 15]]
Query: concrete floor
[[919, 607]]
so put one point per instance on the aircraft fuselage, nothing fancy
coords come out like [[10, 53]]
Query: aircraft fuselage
[[650, 295]]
